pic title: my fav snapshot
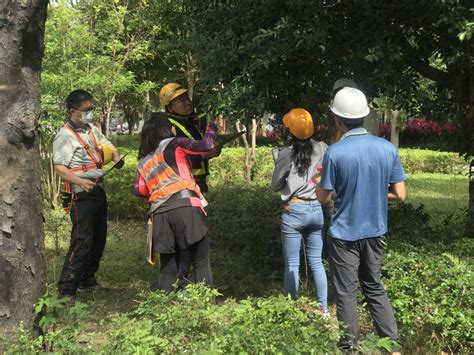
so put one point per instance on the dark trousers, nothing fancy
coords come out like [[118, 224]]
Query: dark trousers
[[184, 267], [170, 263], [88, 236], [351, 264]]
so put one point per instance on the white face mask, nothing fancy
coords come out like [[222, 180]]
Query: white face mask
[[87, 117]]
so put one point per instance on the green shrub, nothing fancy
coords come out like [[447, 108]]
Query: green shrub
[[429, 161], [191, 321], [126, 142], [229, 167], [416, 226], [60, 328], [432, 299]]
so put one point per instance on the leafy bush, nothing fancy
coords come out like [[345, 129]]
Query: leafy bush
[[229, 168], [192, 321], [429, 287], [428, 161], [422, 128], [60, 328], [416, 226], [421, 131], [431, 298]]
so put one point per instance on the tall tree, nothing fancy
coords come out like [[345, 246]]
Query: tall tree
[[21, 238], [91, 45], [290, 52]]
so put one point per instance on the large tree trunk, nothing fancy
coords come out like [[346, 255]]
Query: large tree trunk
[[21, 240]]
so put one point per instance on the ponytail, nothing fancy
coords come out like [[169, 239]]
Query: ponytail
[[301, 156]]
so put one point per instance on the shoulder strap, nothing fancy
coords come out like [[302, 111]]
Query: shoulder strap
[[181, 127], [94, 141], [323, 147], [95, 159]]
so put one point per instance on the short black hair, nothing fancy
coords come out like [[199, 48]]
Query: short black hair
[[352, 123], [76, 97]]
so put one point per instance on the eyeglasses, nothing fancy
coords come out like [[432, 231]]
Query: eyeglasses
[[87, 110]]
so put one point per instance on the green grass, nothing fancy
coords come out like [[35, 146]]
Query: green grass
[[441, 194]]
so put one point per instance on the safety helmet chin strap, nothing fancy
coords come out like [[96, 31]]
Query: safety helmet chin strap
[[174, 114]]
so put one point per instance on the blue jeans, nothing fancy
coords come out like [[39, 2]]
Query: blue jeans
[[305, 220]]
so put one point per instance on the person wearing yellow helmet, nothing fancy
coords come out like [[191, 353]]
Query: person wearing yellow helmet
[[302, 215], [180, 111]]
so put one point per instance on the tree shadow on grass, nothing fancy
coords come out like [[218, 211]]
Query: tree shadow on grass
[[246, 251]]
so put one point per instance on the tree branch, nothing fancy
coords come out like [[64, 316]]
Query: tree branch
[[423, 67]]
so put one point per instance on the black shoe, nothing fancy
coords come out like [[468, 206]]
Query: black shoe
[[88, 283], [90, 286]]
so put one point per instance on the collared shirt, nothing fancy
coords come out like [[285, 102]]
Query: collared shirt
[[68, 151], [360, 168]]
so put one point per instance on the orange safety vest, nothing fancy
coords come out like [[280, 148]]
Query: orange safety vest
[[161, 180], [96, 158]]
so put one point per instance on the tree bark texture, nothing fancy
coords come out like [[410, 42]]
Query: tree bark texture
[[395, 132], [21, 239]]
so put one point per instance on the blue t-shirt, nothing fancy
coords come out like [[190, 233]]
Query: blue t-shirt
[[359, 168]]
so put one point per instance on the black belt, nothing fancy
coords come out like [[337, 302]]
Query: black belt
[[182, 194]]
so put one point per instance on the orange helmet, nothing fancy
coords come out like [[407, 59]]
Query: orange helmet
[[169, 92], [300, 123]]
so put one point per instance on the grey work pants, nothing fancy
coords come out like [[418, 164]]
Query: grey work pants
[[351, 264]]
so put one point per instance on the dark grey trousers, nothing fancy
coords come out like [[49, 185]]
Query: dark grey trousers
[[351, 264]]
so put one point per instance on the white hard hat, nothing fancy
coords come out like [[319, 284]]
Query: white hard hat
[[350, 103], [341, 83]]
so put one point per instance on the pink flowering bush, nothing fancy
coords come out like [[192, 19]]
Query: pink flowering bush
[[270, 133], [425, 128], [420, 130]]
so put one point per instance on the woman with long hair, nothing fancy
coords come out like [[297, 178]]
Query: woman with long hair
[[179, 220], [302, 217]]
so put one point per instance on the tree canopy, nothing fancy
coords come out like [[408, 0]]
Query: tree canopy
[[242, 58]]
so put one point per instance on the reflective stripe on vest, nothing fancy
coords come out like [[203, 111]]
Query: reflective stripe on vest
[[202, 169], [161, 180]]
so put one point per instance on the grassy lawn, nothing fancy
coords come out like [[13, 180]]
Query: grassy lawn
[[441, 194]]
